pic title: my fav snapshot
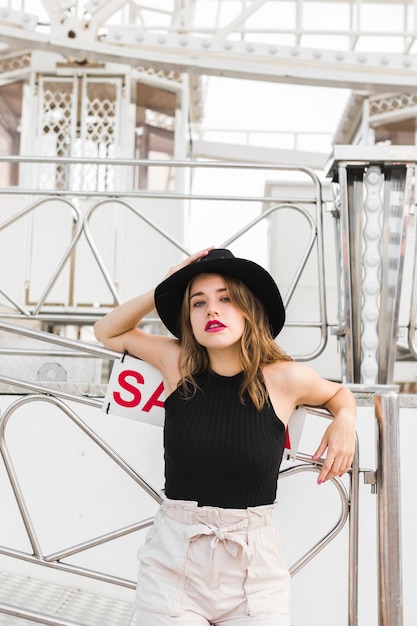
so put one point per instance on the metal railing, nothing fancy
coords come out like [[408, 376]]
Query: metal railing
[[59, 560], [134, 206], [42, 312], [385, 478]]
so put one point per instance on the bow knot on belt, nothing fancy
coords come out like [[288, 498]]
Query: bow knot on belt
[[220, 534], [233, 542]]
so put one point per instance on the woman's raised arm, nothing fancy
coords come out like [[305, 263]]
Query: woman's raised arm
[[118, 330]]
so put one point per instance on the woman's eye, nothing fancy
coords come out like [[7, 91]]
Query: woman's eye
[[198, 303], [225, 299]]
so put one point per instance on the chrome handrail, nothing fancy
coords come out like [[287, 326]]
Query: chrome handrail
[[387, 490], [64, 314], [57, 271], [57, 397], [54, 560], [34, 616], [344, 514]]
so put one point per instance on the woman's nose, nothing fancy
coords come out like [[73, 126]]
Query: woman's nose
[[212, 309]]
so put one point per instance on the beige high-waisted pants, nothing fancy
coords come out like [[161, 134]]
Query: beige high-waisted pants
[[207, 565]]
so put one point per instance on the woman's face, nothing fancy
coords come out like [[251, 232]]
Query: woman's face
[[215, 321]]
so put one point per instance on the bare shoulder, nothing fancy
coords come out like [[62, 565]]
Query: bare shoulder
[[287, 372], [300, 382]]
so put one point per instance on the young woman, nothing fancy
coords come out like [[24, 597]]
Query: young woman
[[213, 554]]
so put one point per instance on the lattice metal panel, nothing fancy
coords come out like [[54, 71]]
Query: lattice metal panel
[[11, 64], [100, 134], [172, 75], [80, 117], [56, 118], [391, 103], [159, 120]]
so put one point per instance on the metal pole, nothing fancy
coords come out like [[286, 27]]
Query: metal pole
[[354, 539], [390, 596]]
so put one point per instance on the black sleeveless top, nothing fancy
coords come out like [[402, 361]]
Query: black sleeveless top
[[219, 452]]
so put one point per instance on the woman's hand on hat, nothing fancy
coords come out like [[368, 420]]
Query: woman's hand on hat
[[191, 259]]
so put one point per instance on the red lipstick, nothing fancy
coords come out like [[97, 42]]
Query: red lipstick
[[213, 326]]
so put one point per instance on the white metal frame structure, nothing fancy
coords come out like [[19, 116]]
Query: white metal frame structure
[[359, 44], [358, 47]]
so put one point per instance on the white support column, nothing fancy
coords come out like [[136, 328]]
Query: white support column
[[375, 184], [390, 587], [371, 283]]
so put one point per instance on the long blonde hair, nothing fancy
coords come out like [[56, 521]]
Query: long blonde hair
[[257, 346]]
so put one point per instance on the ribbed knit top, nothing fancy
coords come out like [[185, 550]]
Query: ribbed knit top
[[218, 451]]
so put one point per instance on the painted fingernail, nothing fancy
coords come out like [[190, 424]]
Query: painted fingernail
[[319, 482]]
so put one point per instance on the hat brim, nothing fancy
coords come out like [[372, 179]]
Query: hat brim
[[169, 294]]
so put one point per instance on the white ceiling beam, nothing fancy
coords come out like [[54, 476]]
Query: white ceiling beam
[[348, 70], [213, 150]]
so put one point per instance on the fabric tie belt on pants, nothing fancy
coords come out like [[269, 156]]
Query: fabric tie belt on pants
[[228, 526], [232, 542]]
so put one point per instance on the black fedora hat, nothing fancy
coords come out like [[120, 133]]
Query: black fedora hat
[[170, 292]]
